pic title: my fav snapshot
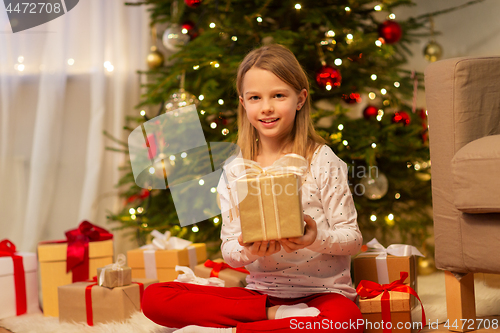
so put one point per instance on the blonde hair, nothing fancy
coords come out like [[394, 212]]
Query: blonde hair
[[280, 61]]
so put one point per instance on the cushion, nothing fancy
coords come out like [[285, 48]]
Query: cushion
[[476, 176]]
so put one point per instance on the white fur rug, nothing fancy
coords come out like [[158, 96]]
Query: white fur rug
[[430, 289]]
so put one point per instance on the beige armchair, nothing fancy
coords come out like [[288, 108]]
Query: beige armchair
[[463, 103]]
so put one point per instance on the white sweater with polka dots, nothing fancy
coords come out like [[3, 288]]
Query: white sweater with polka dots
[[322, 267]]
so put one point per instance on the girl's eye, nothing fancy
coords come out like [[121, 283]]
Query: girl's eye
[[280, 95], [254, 98]]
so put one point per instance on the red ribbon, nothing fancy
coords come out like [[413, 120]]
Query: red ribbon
[[78, 248], [8, 249], [370, 289], [218, 266], [88, 299]]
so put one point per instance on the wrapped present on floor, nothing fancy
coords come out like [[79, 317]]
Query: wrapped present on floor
[[188, 276], [387, 308], [158, 260], [75, 259], [269, 199], [233, 277], [115, 275], [18, 281], [89, 303], [382, 265]]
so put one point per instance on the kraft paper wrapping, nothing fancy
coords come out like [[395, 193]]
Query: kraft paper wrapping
[[114, 278], [272, 207], [231, 277], [371, 309], [108, 305]]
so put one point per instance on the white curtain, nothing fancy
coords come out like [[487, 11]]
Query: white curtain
[[56, 99]]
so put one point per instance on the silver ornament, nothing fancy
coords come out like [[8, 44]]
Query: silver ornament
[[374, 187], [174, 39]]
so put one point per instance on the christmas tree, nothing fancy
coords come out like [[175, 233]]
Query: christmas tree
[[353, 52]]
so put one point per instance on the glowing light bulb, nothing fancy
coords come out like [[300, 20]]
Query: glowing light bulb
[[373, 77], [234, 38], [330, 33], [195, 229], [71, 62], [221, 101], [378, 8], [378, 43], [383, 91], [196, 67], [372, 95], [397, 84], [172, 157], [184, 154], [374, 145], [201, 97], [212, 25], [347, 9], [340, 127], [345, 143], [298, 6], [338, 62], [131, 211], [216, 220], [373, 218], [151, 170], [213, 125], [213, 190], [201, 182], [259, 19], [143, 113]]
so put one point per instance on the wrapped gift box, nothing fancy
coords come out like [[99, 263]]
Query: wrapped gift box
[[371, 309], [230, 276], [7, 285], [112, 278], [52, 258], [365, 268], [107, 305], [270, 207], [160, 264]]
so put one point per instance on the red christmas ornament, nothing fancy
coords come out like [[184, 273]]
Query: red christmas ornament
[[193, 3], [390, 31], [328, 76], [190, 27], [351, 98], [401, 117], [370, 111], [425, 130]]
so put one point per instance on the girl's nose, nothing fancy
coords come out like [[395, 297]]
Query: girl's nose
[[267, 106]]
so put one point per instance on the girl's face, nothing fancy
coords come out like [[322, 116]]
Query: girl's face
[[265, 97]]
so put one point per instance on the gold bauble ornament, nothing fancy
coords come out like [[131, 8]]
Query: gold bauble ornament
[[426, 266], [433, 51], [155, 58]]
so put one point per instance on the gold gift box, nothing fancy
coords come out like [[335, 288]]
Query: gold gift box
[[166, 260], [371, 309], [231, 277], [108, 305], [114, 278], [52, 258], [270, 207]]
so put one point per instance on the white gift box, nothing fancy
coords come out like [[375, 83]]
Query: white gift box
[[8, 289]]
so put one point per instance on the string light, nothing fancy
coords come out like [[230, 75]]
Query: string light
[[184, 31], [378, 8], [143, 113], [374, 145], [225, 131], [392, 16], [397, 196], [390, 217], [330, 33], [213, 125], [212, 25], [20, 59], [201, 182], [378, 42], [372, 95], [201, 97], [345, 143], [20, 67], [386, 102], [151, 170], [202, 111], [184, 154], [213, 190], [259, 19], [234, 38], [373, 77], [349, 37], [195, 229], [338, 62], [144, 225], [216, 65], [373, 218], [340, 127], [109, 66], [140, 210], [379, 118], [71, 61], [397, 84], [131, 211], [196, 67], [221, 101], [328, 86], [216, 220], [347, 9], [298, 6], [172, 157], [383, 91], [133, 217]]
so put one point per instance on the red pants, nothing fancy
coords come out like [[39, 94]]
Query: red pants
[[177, 305]]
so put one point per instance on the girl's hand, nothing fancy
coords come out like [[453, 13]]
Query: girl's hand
[[262, 249], [296, 243]]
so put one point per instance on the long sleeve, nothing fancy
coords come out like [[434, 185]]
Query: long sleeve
[[233, 253], [338, 234]]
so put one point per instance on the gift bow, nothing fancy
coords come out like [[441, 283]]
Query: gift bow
[[8, 249], [78, 248], [400, 250], [218, 266], [121, 261], [189, 277], [370, 289], [166, 242]]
